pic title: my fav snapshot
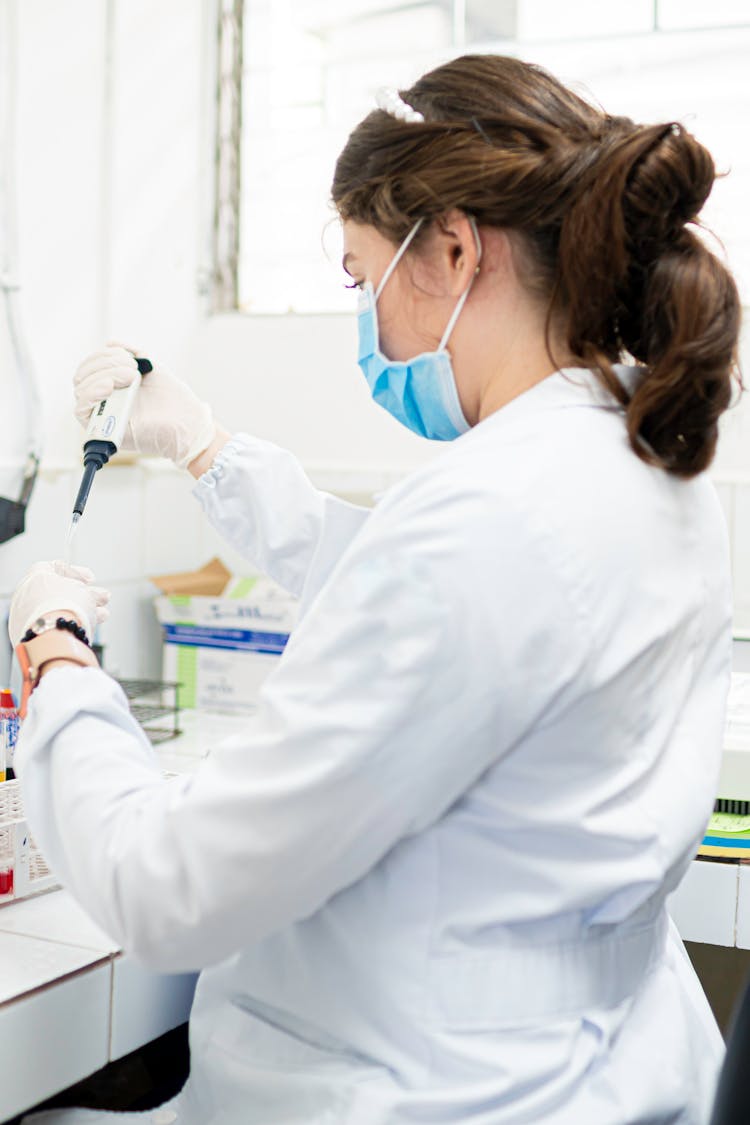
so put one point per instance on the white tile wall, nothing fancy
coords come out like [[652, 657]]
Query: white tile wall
[[741, 555], [110, 536], [131, 636], [172, 523], [735, 500], [47, 520], [734, 496]]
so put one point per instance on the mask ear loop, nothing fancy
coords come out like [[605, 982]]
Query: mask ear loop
[[397, 257], [462, 299]]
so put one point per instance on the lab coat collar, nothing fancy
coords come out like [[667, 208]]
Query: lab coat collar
[[567, 387], [580, 386]]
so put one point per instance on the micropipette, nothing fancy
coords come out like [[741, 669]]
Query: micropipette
[[104, 435]]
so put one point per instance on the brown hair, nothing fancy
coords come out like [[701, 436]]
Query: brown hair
[[600, 206]]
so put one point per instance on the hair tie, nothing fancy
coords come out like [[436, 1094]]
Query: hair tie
[[393, 104]]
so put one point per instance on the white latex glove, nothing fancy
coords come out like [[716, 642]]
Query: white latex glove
[[53, 587], [168, 419]]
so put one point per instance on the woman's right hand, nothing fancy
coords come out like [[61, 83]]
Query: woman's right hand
[[168, 419]]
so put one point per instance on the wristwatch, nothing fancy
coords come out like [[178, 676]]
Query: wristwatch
[[51, 641]]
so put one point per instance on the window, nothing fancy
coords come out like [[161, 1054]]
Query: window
[[311, 72], [311, 68]]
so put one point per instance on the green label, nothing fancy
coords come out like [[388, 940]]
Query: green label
[[242, 587], [729, 822], [187, 675]]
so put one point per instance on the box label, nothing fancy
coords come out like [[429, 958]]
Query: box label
[[243, 640]]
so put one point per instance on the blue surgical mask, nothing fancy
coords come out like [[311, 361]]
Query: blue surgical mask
[[421, 392]]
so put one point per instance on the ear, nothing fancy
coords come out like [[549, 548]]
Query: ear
[[459, 250]]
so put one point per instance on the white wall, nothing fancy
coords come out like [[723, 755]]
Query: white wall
[[115, 180], [59, 129], [114, 107], [108, 116], [114, 176]]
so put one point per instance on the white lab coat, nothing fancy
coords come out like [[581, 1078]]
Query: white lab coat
[[427, 883]]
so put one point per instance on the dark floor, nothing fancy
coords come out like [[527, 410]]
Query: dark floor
[[146, 1078], [723, 971]]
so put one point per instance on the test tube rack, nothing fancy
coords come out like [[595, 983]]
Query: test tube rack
[[23, 870]]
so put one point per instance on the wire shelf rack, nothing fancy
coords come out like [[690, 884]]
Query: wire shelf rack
[[154, 704]]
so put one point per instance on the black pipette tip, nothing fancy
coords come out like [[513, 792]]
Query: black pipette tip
[[87, 480]]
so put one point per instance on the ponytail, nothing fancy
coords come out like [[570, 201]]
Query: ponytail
[[634, 279], [691, 324]]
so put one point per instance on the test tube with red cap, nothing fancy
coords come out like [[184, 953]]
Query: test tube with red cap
[[9, 724]]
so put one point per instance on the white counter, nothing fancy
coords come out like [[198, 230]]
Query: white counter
[[70, 1000], [712, 903]]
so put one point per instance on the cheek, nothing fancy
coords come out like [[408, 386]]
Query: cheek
[[404, 328], [391, 332]]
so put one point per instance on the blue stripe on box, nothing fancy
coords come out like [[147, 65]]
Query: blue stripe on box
[[727, 841], [242, 640]]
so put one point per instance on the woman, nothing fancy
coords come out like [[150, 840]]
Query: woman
[[428, 883]]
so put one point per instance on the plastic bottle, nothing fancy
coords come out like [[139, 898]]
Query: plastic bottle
[[9, 723]]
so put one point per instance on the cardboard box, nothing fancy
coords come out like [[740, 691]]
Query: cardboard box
[[221, 647]]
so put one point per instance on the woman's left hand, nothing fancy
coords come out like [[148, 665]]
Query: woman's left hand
[[60, 590]]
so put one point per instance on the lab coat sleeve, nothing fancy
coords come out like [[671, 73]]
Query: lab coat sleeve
[[419, 666], [260, 500]]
